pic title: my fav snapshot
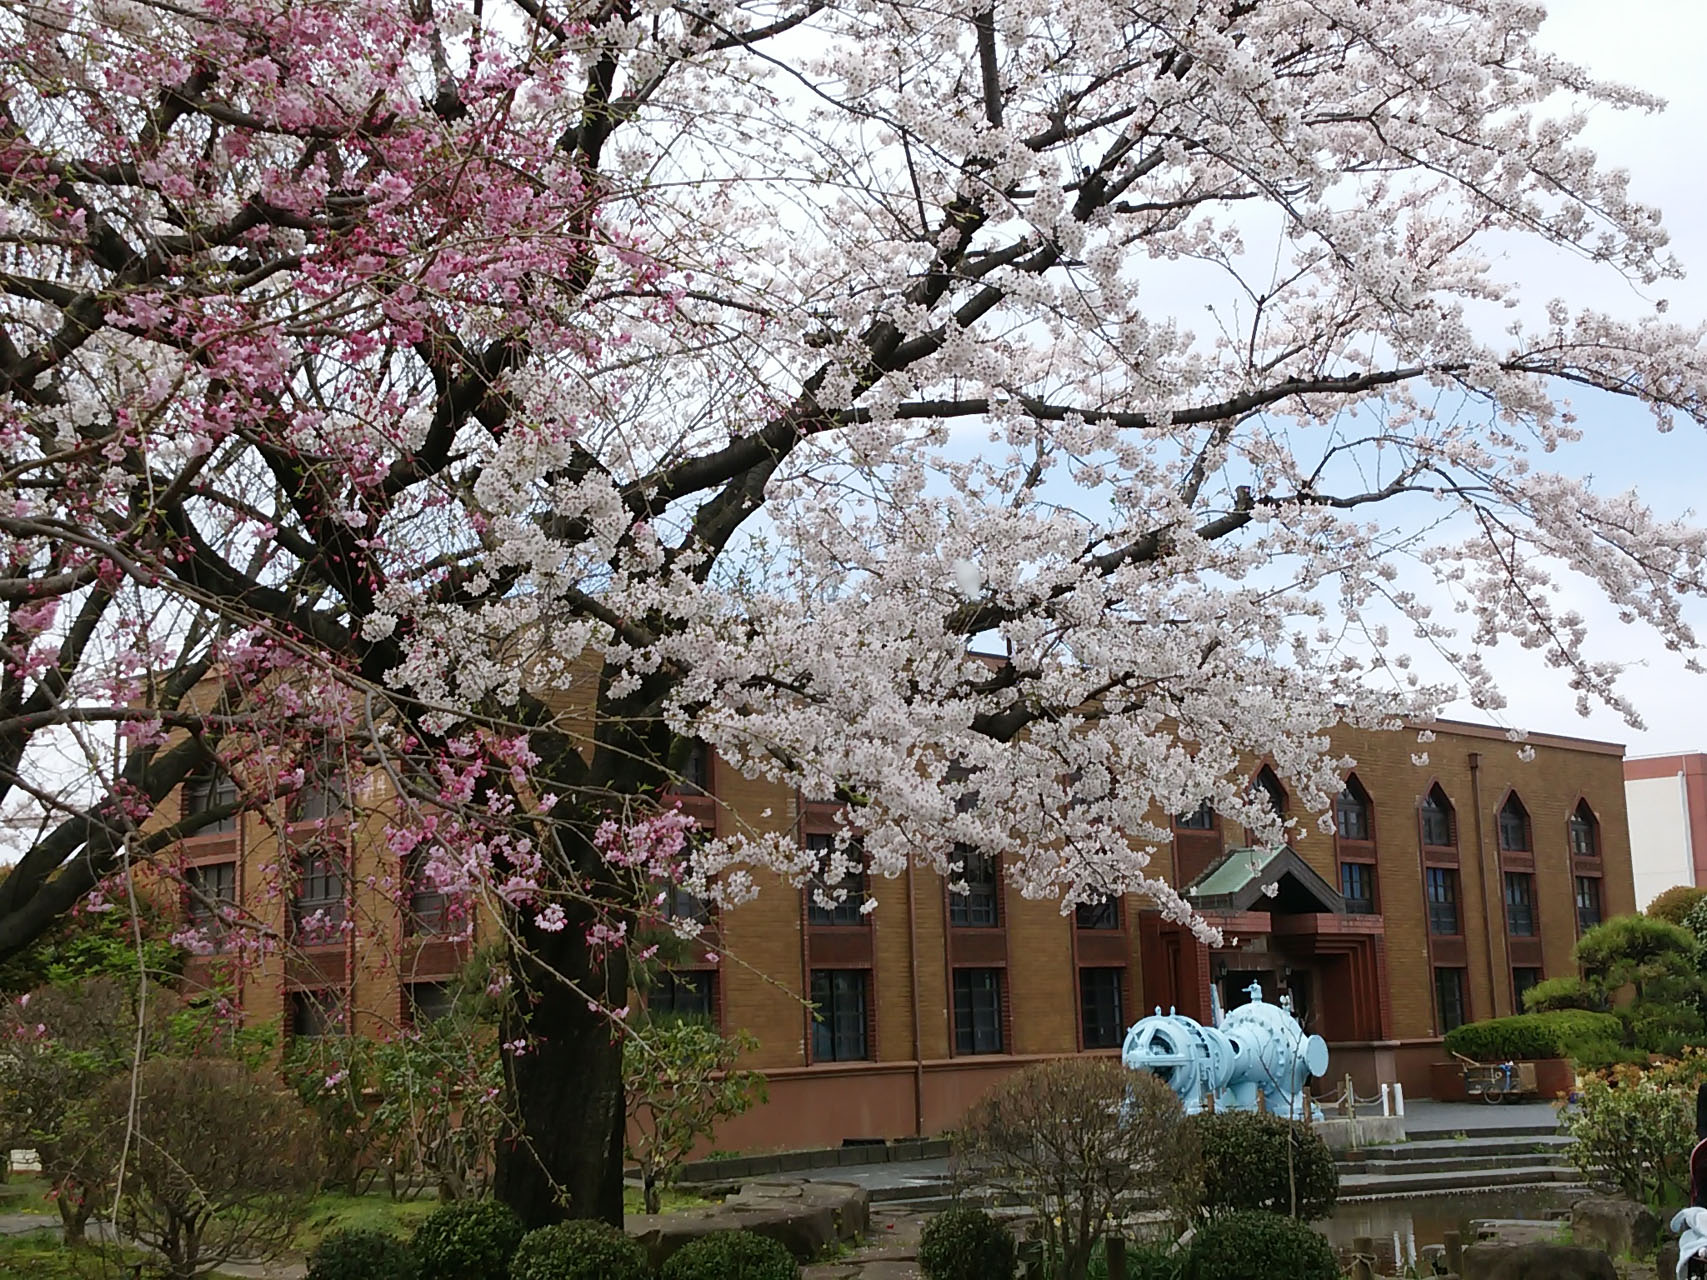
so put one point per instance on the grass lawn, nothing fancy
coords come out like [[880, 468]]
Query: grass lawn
[[41, 1256], [20, 1194], [633, 1202], [333, 1210]]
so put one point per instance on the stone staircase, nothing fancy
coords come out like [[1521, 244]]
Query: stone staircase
[[1433, 1163]]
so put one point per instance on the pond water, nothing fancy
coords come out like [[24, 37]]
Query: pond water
[[1400, 1228]]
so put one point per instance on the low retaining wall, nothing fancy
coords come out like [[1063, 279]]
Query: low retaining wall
[[1554, 1078], [1344, 1133]]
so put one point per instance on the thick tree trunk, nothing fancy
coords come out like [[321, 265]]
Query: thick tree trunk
[[566, 1087]]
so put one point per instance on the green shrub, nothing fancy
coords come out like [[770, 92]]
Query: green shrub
[[1259, 1246], [470, 1240], [1533, 1035], [731, 1255], [965, 1243], [1674, 904], [1636, 1131], [1254, 1160], [1553, 994], [1143, 1262], [580, 1250], [359, 1253]]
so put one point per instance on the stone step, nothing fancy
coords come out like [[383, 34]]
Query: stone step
[[1437, 1149], [1458, 1164], [1492, 1133], [1392, 1185]]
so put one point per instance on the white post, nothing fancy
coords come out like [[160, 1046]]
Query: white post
[[1398, 1099], [1386, 1102]]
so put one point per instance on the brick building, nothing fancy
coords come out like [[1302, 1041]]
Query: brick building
[[1443, 892]]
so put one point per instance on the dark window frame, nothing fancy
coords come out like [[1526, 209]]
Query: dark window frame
[[208, 919], [1520, 906], [209, 789], [847, 913], [1102, 1021], [1585, 908], [1366, 905], [1354, 813], [413, 1007], [841, 1018], [315, 1015], [1514, 825], [323, 797], [1438, 814], [1451, 1013], [1440, 890], [318, 871], [683, 993], [427, 911], [1100, 916], [1268, 787], [1582, 832], [1201, 818], [698, 775], [980, 906], [977, 1005], [1518, 985]]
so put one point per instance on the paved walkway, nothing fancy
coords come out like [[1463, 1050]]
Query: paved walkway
[[1423, 1116]]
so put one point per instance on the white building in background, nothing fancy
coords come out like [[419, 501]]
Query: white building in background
[[1667, 800]]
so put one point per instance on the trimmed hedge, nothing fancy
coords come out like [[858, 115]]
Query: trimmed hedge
[[469, 1240], [362, 1253], [579, 1250], [1533, 1035], [965, 1243], [1259, 1246], [1254, 1160], [731, 1255]]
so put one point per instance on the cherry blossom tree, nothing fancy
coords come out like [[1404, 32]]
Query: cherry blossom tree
[[518, 392]]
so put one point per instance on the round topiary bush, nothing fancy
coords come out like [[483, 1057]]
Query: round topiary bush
[[1259, 1246], [361, 1254], [578, 1251], [731, 1255], [470, 1240], [965, 1243], [1254, 1160]]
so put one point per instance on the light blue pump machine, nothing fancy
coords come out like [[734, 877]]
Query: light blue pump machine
[[1257, 1050]]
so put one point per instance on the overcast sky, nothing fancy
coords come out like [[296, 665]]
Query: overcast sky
[[1656, 45]]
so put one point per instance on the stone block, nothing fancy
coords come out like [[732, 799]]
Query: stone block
[[1536, 1262], [1618, 1226], [1665, 1264], [805, 1217]]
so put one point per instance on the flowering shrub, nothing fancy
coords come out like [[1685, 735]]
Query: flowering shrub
[[1635, 1127]]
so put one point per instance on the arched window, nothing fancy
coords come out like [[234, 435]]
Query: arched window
[[1266, 789], [1584, 832], [1351, 811], [1514, 826], [1437, 819]]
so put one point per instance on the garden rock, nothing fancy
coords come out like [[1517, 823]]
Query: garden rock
[[1536, 1262], [805, 1217], [1616, 1225]]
